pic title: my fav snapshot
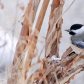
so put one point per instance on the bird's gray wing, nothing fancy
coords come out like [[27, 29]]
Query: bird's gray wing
[[79, 44]]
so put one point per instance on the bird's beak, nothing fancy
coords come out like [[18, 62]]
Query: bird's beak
[[68, 30]]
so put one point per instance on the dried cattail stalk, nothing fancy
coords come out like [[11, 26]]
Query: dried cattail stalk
[[29, 16], [36, 34], [52, 44], [61, 72]]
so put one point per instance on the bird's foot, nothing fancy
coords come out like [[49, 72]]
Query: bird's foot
[[71, 53]]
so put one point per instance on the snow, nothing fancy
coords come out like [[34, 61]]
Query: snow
[[55, 59]]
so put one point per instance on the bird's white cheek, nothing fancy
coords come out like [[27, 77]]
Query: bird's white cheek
[[79, 31]]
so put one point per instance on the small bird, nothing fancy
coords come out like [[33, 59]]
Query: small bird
[[77, 38]]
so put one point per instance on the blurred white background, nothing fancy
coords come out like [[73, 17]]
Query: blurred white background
[[10, 25]]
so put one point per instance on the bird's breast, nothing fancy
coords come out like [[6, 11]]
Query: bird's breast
[[76, 49]]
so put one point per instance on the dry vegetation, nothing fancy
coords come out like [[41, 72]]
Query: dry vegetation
[[50, 71]]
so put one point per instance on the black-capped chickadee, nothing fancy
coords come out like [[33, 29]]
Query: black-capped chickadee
[[77, 37]]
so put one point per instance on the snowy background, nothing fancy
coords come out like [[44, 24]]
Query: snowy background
[[10, 26]]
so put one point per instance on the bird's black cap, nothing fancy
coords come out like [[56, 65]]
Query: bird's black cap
[[76, 26]]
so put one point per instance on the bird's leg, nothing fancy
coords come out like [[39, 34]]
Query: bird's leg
[[71, 53]]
